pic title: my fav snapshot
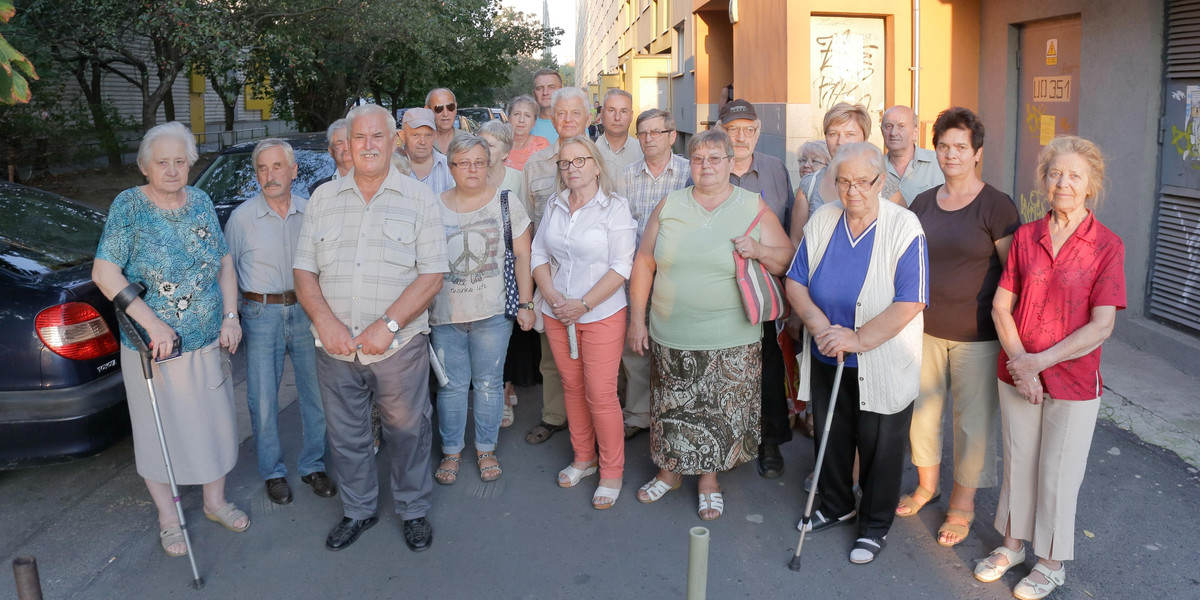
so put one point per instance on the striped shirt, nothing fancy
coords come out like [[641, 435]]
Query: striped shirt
[[438, 179], [366, 253], [645, 191]]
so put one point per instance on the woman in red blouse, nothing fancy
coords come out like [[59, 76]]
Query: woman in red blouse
[[1056, 304]]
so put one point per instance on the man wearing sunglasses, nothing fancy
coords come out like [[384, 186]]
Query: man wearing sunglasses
[[445, 108], [763, 174]]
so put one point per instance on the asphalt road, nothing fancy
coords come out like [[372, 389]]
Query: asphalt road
[[92, 527]]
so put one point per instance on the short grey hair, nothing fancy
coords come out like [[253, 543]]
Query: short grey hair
[[333, 129], [856, 151], [654, 113], [565, 94], [501, 131], [269, 143], [401, 163], [710, 138], [616, 92], [173, 130], [916, 121], [463, 143], [522, 99], [363, 110], [818, 149], [429, 96]]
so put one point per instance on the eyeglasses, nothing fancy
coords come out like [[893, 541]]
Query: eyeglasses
[[813, 161], [653, 133], [577, 162], [735, 131], [469, 164], [452, 106], [711, 161], [846, 185]]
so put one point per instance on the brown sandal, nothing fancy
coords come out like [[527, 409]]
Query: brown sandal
[[954, 528], [916, 501], [542, 432]]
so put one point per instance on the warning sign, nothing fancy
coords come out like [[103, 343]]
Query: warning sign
[[1051, 52]]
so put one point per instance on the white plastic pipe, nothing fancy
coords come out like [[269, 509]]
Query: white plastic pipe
[[697, 576], [916, 53]]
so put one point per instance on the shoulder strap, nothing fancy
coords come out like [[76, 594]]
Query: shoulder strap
[[508, 243], [757, 217]]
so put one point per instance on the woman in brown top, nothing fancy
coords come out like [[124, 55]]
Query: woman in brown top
[[969, 226]]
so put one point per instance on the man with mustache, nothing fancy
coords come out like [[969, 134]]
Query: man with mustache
[[910, 170], [371, 257], [262, 235]]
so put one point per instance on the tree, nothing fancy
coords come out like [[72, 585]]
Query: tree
[[15, 69]]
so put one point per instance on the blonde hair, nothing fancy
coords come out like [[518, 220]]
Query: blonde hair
[[843, 112], [605, 180], [1088, 151]]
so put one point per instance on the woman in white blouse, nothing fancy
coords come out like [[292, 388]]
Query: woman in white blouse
[[582, 255]]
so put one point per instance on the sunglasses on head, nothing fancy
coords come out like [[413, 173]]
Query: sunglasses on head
[[443, 107]]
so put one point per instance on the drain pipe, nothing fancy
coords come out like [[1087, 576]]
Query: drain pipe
[[697, 574], [916, 56]]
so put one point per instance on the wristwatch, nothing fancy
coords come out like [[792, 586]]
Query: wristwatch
[[231, 315], [392, 325], [526, 305]]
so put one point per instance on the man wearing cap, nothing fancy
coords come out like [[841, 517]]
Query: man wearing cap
[[910, 170], [339, 149], [766, 175], [428, 165], [541, 179], [370, 258], [445, 108], [615, 145], [262, 235]]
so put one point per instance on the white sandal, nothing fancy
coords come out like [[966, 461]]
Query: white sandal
[[605, 492], [714, 501], [570, 476], [988, 571], [656, 489], [1030, 590]]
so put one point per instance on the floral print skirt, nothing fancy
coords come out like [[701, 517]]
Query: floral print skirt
[[705, 408]]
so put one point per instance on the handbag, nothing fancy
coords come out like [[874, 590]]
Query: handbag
[[511, 296], [762, 292]]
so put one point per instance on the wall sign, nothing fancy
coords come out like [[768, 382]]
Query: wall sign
[[1051, 52], [1052, 89]]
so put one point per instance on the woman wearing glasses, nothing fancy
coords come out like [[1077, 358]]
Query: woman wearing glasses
[[858, 283], [843, 124], [582, 255], [469, 329], [706, 393], [812, 156]]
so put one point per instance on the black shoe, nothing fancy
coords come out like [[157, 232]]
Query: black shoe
[[345, 533], [770, 461], [418, 534], [278, 491], [819, 522], [321, 484]]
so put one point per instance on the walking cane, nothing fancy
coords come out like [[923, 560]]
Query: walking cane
[[121, 302], [806, 522]]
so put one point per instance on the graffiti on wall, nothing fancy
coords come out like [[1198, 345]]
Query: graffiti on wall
[[847, 61]]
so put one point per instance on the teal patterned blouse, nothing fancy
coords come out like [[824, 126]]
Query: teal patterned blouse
[[176, 254]]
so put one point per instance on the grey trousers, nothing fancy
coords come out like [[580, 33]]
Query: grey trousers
[[399, 384]]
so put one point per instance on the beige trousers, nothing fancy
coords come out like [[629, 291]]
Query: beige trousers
[[1045, 454], [966, 371], [637, 387], [554, 409]]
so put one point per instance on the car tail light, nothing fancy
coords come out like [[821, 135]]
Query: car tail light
[[75, 330]]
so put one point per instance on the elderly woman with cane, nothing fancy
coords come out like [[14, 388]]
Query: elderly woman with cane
[[165, 236], [858, 283], [706, 355], [582, 255], [1056, 304]]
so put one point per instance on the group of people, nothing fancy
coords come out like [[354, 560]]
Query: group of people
[[907, 276]]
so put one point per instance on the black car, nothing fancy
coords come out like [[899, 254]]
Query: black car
[[229, 179], [61, 392]]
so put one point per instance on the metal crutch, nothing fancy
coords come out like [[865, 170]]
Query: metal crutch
[[806, 522], [121, 302]]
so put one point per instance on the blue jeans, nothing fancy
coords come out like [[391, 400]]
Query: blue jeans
[[473, 354], [270, 331]]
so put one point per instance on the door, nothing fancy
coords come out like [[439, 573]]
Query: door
[[1047, 102]]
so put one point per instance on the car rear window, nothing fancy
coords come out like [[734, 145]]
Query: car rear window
[[42, 233], [230, 178]]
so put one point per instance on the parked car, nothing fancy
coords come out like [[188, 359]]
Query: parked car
[[61, 392], [465, 123], [482, 114], [229, 179]]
